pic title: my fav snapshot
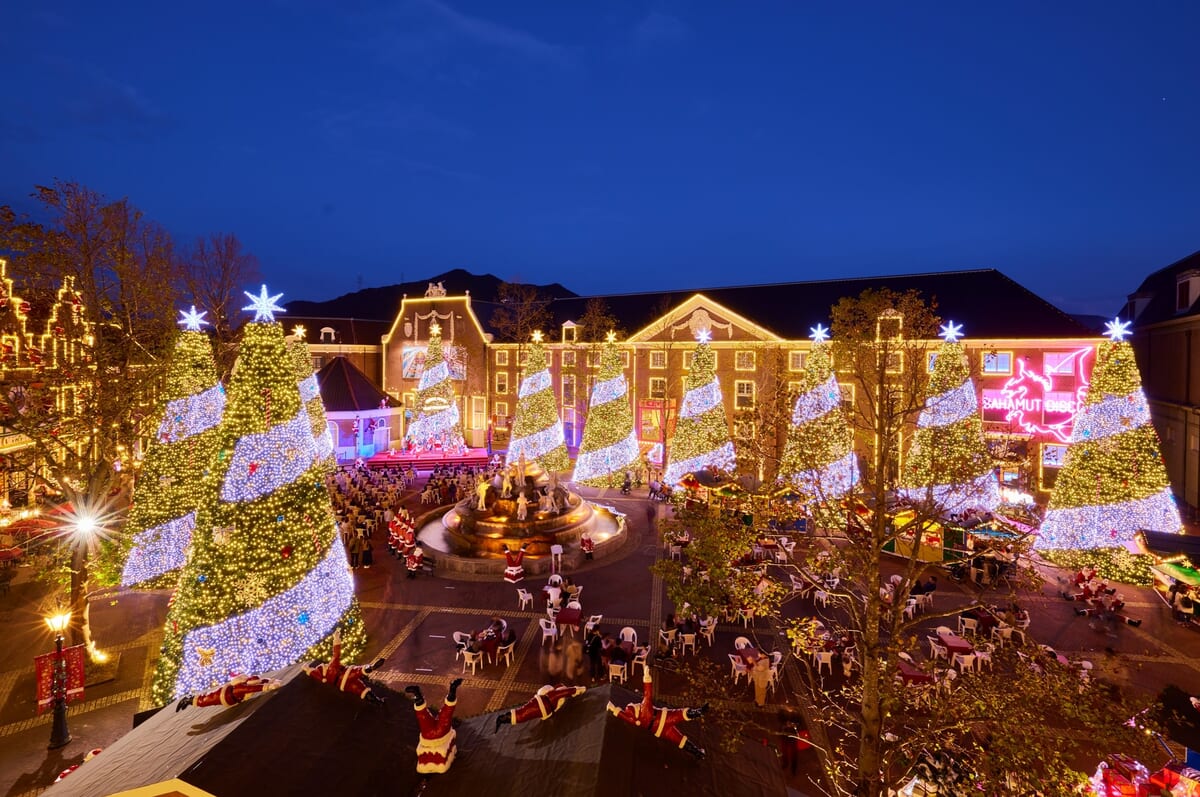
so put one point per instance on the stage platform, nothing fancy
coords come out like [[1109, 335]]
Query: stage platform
[[428, 460]]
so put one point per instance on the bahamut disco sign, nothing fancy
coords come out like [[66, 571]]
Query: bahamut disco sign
[[1042, 402]]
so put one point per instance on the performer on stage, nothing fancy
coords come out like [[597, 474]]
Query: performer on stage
[[348, 679], [436, 747], [660, 720], [544, 703], [232, 693], [514, 570]]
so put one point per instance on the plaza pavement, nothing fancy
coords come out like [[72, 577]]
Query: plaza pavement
[[410, 622]]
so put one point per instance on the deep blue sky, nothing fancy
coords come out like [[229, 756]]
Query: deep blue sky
[[617, 146]]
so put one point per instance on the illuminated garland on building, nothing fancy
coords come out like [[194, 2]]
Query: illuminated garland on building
[[818, 455], [1113, 481], [168, 487], [537, 429], [610, 444], [158, 550], [266, 580], [438, 422], [948, 462], [701, 438]]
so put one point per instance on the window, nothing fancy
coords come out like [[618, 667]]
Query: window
[[478, 410], [743, 361], [501, 413], [1059, 363], [797, 360], [658, 387], [743, 391], [895, 362], [568, 359], [625, 358], [318, 363], [410, 399], [658, 359], [1183, 298], [593, 359], [931, 361], [501, 382], [1053, 455], [569, 332], [328, 335], [502, 357], [568, 389], [847, 396], [522, 357], [997, 362]]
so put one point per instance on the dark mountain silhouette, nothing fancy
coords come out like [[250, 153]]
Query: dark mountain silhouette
[[383, 303]]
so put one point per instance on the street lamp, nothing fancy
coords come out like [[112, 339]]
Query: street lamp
[[60, 736]]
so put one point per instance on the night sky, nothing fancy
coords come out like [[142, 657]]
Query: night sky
[[627, 146]]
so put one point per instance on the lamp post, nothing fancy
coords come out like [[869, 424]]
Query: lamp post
[[60, 736]]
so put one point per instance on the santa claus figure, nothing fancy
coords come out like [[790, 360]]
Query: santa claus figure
[[232, 693], [514, 570], [347, 679], [413, 560], [548, 700], [660, 720], [587, 545], [436, 748]]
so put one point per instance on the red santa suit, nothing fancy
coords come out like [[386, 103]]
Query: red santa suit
[[514, 570], [436, 747], [659, 720], [587, 546], [548, 700], [347, 679], [232, 693], [413, 561]]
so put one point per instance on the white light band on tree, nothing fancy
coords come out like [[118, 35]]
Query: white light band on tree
[[324, 444], [432, 376], [192, 415], [603, 461], [821, 400], [273, 635], [721, 458], [831, 481], [426, 427], [537, 444], [982, 492], [1109, 416], [1108, 525], [265, 461], [158, 550], [950, 407], [608, 390], [534, 383], [309, 389], [700, 400]]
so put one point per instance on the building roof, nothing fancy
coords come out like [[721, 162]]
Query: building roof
[[344, 388], [345, 331], [308, 738], [1158, 294]]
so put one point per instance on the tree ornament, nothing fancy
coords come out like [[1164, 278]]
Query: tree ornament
[[206, 656], [286, 552]]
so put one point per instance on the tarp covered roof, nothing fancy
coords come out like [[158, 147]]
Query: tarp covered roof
[[307, 738]]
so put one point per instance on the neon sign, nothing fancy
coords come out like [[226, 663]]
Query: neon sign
[[1030, 400]]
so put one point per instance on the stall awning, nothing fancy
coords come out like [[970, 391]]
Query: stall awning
[[1179, 572]]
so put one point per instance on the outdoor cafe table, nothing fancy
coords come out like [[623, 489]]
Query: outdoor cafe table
[[568, 616], [955, 643], [913, 675], [749, 655], [986, 620], [487, 641]]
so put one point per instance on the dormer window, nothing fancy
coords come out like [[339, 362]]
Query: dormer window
[[569, 331], [1187, 289], [328, 335]]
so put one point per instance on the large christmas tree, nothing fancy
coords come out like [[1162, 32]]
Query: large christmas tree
[[948, 462], [163, 515], [267, 581], [537, 430], [610, 444], [818, 457], [438, 423], [701, 438], [1113, 481], [310, 396]]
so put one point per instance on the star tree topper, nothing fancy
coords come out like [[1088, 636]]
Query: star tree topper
[[537, 336], [299, 331], [1117, 329], [263, 305], [704, 335], [611, 337], [819, 333], [191, 320], [951, 332]]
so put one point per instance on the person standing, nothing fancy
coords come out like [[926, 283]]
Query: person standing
[[594, 648], [761, 675]]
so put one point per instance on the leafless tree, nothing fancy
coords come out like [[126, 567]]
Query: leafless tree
[[216, 271]]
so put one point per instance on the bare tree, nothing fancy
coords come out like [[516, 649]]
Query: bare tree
[[521, 311], [216, 271]]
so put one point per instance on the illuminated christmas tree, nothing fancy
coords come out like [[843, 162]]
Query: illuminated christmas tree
[[701, 438], [1113, 481], [438, 423], [310, 396], [163, 515], [537, 430], [948, 462], [610, 444], [818, 457], [267, 581]]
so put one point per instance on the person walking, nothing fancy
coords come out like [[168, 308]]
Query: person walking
[[761, 676], [356, 546], [594, 648]]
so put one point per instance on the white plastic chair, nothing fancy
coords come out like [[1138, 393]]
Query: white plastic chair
[[506, 652], [574, 604], [738, 668], [555, 580], [549, 629], [708, 630], [936, 649], [947, 679], [964, 661], [628, 634], [461, 640], [472, 660], [1002, 633], [639, 657], [689, 640], [822, 597], [747, 617], [556, 553], [926, 600], [968, 625], [617, 672], [592, 622], [945, 629], [823, 658], [741, 642], [983, 656], [525, 597], [910, 609], [667, 637]]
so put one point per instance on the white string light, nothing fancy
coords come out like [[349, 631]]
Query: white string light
[[158, 550]]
